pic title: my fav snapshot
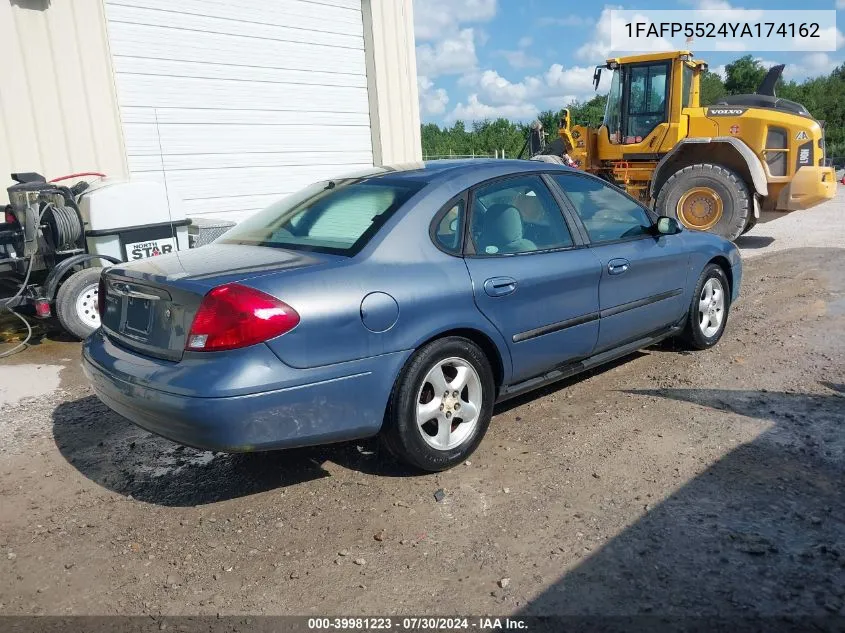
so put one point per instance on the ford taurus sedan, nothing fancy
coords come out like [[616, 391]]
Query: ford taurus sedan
[[402, 302]]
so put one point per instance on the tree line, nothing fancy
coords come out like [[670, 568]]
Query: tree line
[[823, 96]]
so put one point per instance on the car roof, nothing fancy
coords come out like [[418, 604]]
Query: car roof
[[446, 169]]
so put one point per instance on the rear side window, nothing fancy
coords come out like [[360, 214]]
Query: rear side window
[[447, 228], [607, 214], [334, 216], [517, 215]]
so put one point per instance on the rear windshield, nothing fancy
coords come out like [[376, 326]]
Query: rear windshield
[[336, 216]]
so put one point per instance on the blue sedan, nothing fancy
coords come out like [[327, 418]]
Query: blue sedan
[[402, 302]]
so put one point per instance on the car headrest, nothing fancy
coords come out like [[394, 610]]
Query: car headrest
[[502, 225], [530, 207]]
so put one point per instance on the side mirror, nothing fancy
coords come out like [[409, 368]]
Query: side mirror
[[668, 226]]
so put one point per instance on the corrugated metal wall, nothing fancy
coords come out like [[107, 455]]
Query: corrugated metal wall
[[234, 105], [58, 112]]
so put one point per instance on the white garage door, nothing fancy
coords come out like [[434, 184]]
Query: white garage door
[[235, 103]]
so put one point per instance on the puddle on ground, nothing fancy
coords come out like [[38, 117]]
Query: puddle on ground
[[27, 381]]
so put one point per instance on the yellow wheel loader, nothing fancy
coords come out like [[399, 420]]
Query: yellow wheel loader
[[714, 168]]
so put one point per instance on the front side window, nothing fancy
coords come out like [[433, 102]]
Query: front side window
[[337, 216], [646, 100], [517, 215], [607, 214]]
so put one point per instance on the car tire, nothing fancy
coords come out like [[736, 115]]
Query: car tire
[[450, 365], [76, 302], [709, 308]]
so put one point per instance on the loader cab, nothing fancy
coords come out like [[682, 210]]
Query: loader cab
[[643, 113]]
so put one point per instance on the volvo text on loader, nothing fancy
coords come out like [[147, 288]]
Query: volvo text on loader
[[715, 168]]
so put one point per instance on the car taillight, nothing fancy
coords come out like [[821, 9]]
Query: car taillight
[[10, 217], [233, 316], [101, 296]]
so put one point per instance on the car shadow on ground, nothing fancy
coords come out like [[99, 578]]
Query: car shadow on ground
[[120, 456], [759, 533]]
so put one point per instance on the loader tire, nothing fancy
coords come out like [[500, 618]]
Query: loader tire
[[752, 222], [707, 197]]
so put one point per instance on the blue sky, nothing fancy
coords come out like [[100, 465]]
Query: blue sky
[[480, 59]]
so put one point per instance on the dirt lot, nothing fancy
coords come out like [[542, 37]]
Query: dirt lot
[[671, 483]]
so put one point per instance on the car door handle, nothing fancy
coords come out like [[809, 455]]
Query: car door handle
[[618, 266], [499, 286]]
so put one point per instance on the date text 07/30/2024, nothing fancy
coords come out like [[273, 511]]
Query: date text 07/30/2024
[[421, 623]]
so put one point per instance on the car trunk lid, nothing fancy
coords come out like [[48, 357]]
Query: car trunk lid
[[149, 306]]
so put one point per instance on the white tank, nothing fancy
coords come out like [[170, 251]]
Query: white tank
[[132, 220]]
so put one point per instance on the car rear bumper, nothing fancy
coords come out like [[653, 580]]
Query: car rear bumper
[[306, 407]]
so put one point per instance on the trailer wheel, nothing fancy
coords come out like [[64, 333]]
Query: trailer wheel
[[707, 197], [76, 302]]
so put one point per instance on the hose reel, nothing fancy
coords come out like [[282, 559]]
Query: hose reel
[[64, 224]]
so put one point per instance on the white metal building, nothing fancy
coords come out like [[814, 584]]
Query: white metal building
[[231, 103]]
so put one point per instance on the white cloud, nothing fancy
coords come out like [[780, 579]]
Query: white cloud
[[525, 42], [519, 58], [470, 79], [449, 56], [448, 46], [493, 95], [435, 18], [433, 101], [499, 90], [714, 5], [811, 65], [577, 79], [569, 20], [559, 84], [600, 47], [597, 48], [475, 110]]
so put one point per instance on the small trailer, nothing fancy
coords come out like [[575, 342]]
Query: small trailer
[[55, 241]]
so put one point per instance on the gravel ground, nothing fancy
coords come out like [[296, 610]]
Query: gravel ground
[[670, 483], [822, 226]]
